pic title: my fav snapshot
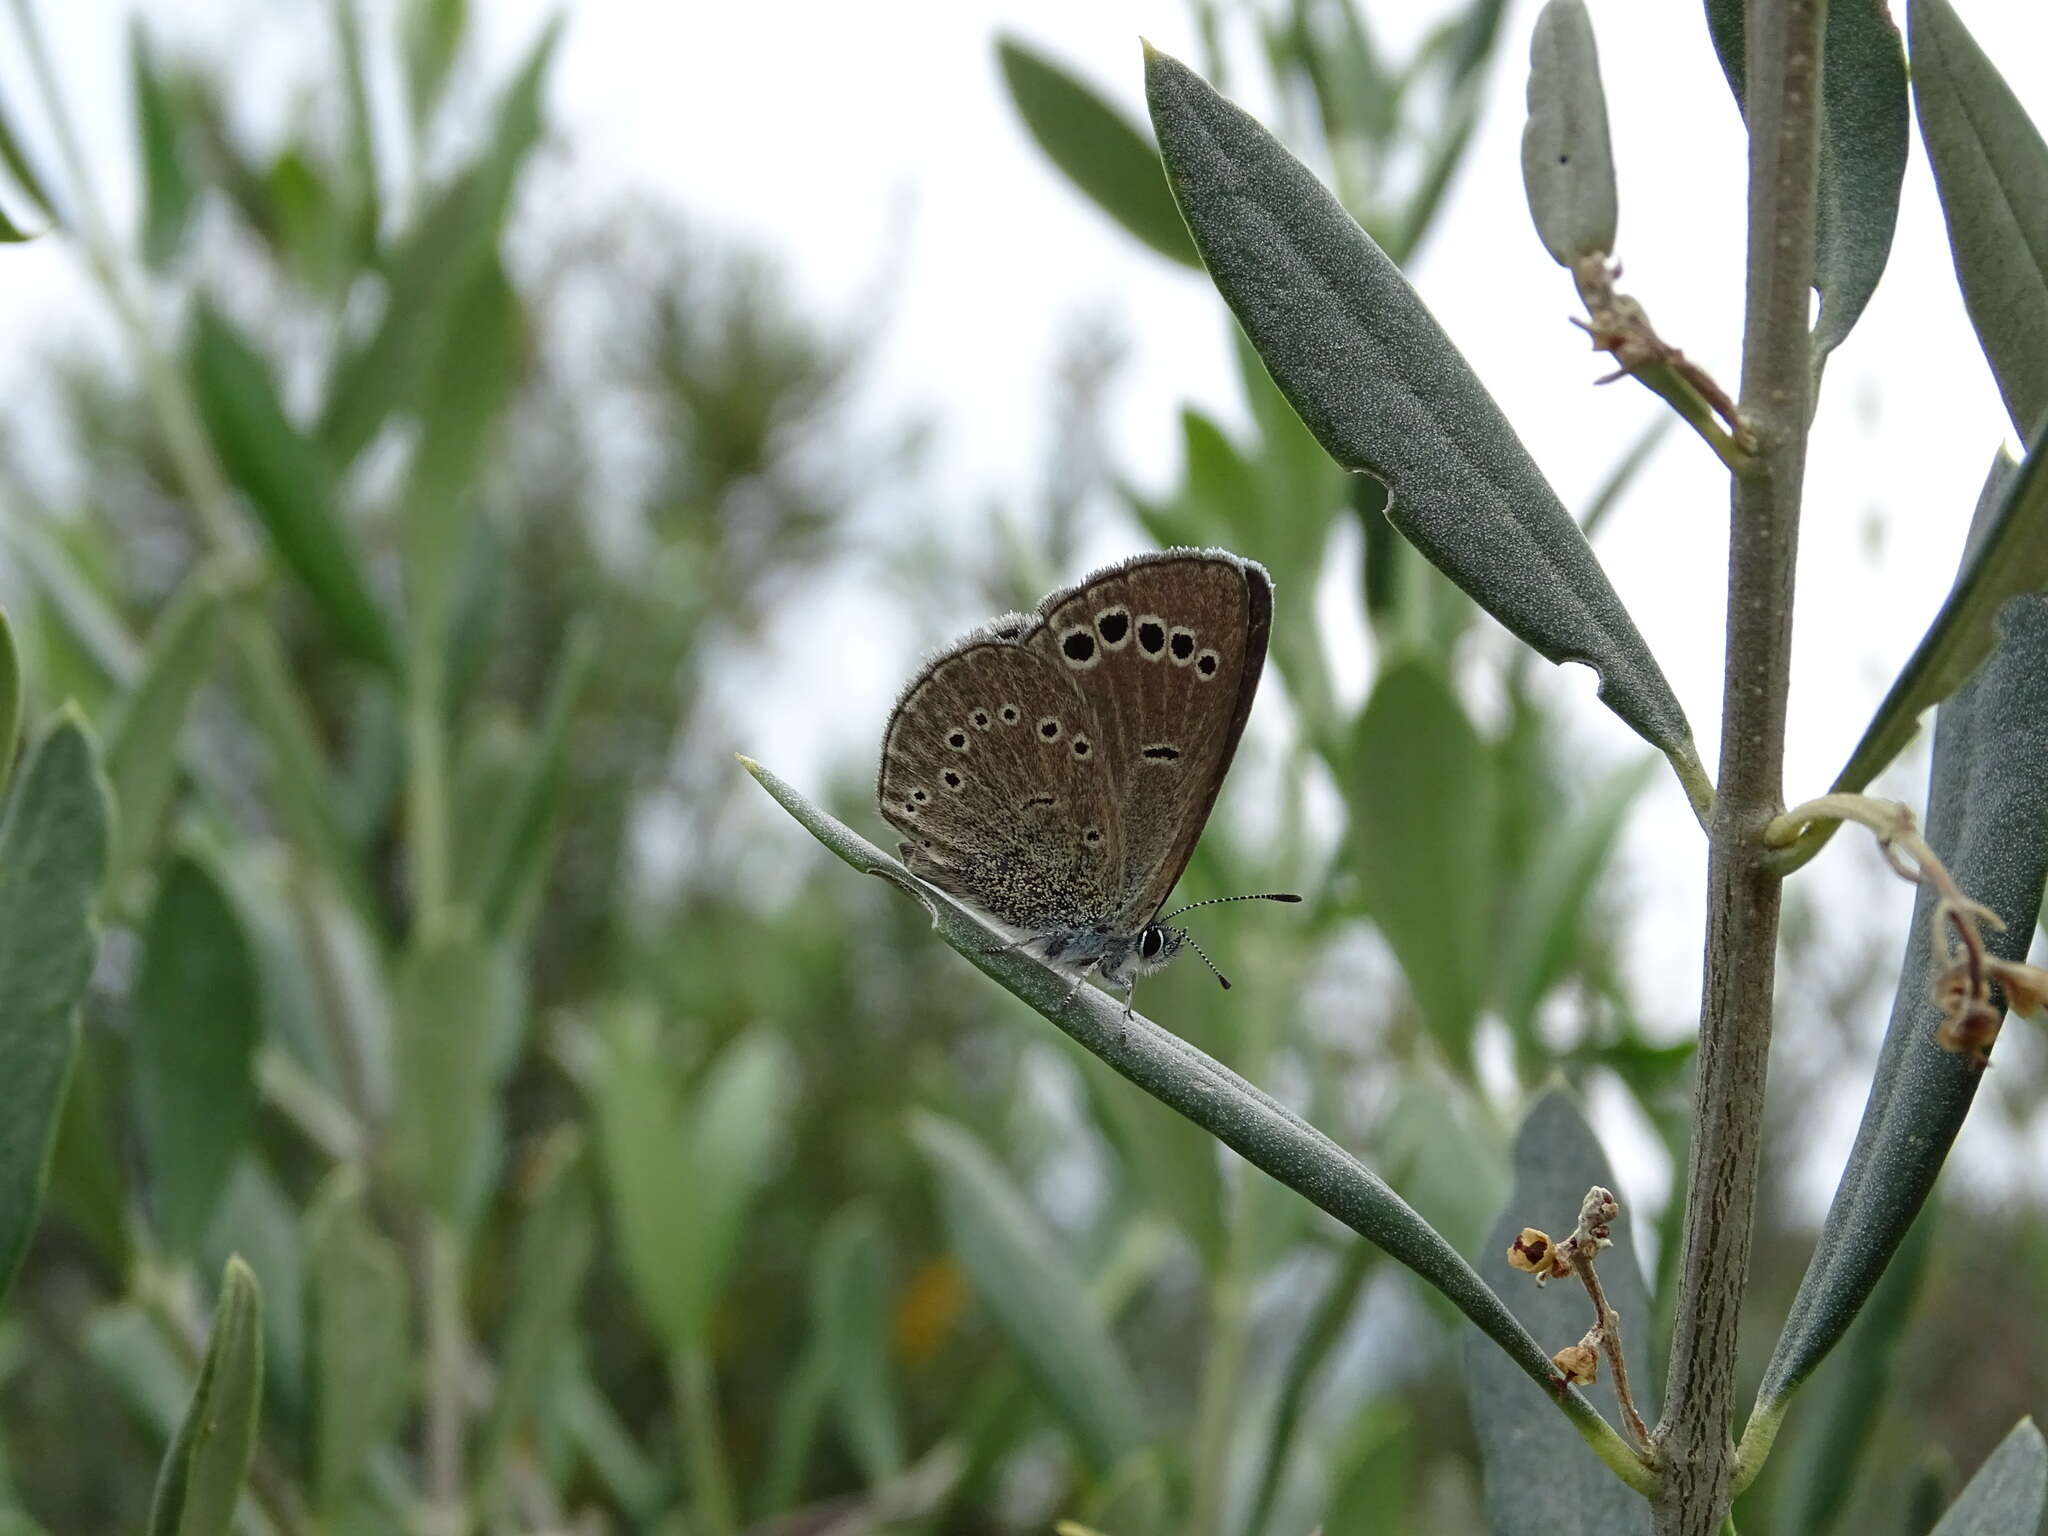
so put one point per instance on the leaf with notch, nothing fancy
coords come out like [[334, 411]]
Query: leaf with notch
[[1386, 393]]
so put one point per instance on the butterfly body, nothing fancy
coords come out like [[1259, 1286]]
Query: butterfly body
[[1054, 770]]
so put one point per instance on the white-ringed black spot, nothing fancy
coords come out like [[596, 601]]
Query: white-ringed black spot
[[1161, 754], [1092, 836], [957, 739], [1181, 646], [980, 720], [1009, 714], [1114, 625], [1082, 747], [953, 780], [910, 807], [1049, 728], [920, 795], [1207, 663], [1078, 646], [1151, 635]]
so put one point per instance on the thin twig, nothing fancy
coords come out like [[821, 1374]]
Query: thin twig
[[1694, 1451]]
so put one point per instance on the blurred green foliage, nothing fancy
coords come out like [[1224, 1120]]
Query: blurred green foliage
[[596, 1168]]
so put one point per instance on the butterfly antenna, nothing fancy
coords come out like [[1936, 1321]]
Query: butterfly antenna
[[1189, 940], [1217, 901]]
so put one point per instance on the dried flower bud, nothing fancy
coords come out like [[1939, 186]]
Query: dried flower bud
[[2025, 988], [1596, 1215], [1531, 1252], [1580, 1363], [1970, 1031]]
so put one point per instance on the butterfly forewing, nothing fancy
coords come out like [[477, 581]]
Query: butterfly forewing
[[1167, 650], [993, 769]]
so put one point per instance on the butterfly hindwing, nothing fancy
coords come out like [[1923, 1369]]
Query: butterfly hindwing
[[1167, 649], [993, 771]]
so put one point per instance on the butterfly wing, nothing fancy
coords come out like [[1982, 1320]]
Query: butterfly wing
[[1167, 649], [994, 771]]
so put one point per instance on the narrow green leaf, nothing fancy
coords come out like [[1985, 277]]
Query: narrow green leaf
[[517, 855], [2006, 555], [1386, 393], [53, 856], [288, 484], [1853, 1391], [1567, 161], [168, 190], [1036, 1296], [360, 1347], [23, 170], [1105, 155], [198, 1014], [1987, 820], [850, 1296], [263, 1226], [557, 1241], [1326, 1327], [2006, 1496], [143, 735], [468, 386], [89, 1166], [1171, 1159], [1544, 921], [1991, 170], [429, 37], [1864, 132], [1534, 1467], [201, 1478], [460, 1016], [381, 373], [11, 693], [84, 617], [682, 1174], [1244, 1118], [362, 204], [1422, 803]]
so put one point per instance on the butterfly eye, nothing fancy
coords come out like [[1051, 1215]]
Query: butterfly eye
[[1150, 943]]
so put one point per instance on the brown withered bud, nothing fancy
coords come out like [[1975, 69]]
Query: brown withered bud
[[1596, 1215], [2025, 988], [1580, 1363], [1970, 1031], [1531, 1252]]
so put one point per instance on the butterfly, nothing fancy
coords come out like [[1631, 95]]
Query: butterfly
[[1054, 770]]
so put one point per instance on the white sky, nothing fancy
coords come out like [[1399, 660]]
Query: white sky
[[844, 136]]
